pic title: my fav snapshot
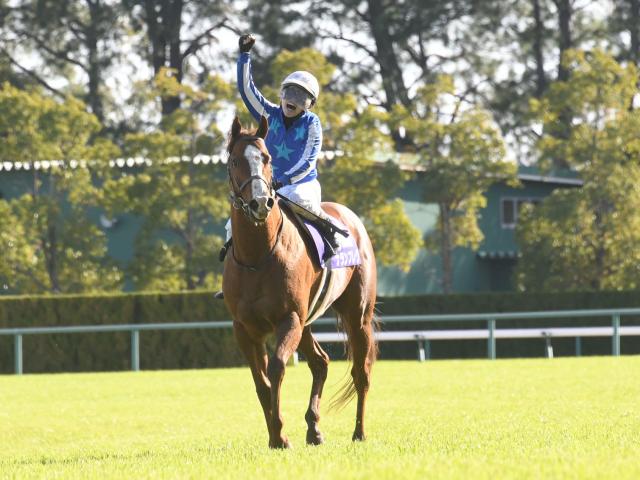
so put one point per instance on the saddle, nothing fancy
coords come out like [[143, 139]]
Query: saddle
[[327, 230]]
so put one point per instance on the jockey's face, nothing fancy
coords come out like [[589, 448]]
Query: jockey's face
[[294, 100]]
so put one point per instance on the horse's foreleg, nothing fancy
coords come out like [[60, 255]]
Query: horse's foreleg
[[318, 360], [256, 355], [288, 334]]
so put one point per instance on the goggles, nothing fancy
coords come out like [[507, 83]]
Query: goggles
[[296, 95]]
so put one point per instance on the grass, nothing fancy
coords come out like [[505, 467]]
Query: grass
[[560, 418]]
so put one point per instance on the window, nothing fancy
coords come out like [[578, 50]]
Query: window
[[510, 209]]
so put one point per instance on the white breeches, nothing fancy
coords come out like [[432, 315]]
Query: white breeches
[[306, 194]]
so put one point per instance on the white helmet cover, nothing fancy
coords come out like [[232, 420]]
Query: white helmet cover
[[305, 80]]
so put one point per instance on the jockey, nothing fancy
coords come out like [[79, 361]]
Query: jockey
[[295, 134]]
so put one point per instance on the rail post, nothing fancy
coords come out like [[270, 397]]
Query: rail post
[[615, 339], [491, 340], [578, 346], [421, 354], [135, 350], [17, 353], [548, 347]]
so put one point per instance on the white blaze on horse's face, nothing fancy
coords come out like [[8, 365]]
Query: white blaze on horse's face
[[259, 189]]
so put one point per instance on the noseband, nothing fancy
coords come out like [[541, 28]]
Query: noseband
[[235, 195]]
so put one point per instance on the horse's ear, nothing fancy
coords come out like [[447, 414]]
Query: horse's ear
[[263, 128], [236, 128]]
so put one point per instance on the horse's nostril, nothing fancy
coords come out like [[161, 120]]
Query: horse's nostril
[[253, 204], [270, 203]]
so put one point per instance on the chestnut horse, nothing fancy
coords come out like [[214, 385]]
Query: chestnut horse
[[270, 280]]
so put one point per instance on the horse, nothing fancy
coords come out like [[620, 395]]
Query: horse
[[269, 279]]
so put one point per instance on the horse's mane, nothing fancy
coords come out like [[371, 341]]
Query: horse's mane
[[244, 132]]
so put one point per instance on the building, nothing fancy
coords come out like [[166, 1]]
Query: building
[[490, 267]]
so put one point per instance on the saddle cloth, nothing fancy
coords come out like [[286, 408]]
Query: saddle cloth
[[347, 254]]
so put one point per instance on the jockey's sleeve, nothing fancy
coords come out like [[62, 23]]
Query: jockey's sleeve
[[251, 96], [306, 165]]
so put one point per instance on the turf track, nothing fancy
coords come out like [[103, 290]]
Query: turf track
[[559, 418]]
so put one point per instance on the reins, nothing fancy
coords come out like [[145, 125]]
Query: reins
[[269, 256]]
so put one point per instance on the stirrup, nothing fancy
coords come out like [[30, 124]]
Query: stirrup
[[224, 250]]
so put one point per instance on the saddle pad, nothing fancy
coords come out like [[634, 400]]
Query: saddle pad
[[347, 254]]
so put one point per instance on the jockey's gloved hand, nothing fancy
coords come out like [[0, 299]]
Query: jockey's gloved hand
[[246, 42]]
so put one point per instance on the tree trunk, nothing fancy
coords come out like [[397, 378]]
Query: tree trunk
[[445, 248], [93, 62], [188, 261], [387, 59], [51, 256], [538, 36], [163, 18], [634, 30], [565, 12]]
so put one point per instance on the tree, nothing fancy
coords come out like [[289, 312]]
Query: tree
[[584, 239], [398, 35], [462, 153], [176, 31], [59, 249], [66, 36], [179, 198], [588, 236]]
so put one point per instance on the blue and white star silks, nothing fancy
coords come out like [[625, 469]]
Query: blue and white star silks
[[283, 151], [274, 126], [294, 150]]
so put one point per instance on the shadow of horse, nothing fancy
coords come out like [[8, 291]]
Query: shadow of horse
[[270, 279]]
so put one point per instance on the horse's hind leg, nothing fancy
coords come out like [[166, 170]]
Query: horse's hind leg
[[363, 349], [318, 362], [288, 334], [358, 323]]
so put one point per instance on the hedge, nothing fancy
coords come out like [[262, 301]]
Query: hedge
[[212, 348], [111, 351]]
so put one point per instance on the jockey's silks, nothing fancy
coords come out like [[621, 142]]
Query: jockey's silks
[[294, 150]]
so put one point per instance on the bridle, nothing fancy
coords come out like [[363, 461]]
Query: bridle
[[237, 202], [235, 193]]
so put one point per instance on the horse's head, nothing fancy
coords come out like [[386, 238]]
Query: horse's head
[[250, 176]]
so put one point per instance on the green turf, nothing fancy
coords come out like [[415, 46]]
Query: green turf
[[559, 418]]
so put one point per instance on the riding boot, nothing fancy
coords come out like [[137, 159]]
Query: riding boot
[[219, 295], [329, 235], [224, 249]]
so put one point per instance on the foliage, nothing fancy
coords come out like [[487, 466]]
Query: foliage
[[587, 238], [54, 245], [179, 200]]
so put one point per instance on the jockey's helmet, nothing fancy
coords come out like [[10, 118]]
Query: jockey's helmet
[[306, 81]]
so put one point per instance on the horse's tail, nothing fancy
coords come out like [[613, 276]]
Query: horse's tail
[[347, 391]]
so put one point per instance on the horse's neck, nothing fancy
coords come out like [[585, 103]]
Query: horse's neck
[[251, 242]]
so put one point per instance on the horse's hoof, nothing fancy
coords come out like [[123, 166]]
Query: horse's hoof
[[314, 438], [280, 443], [358, 437]]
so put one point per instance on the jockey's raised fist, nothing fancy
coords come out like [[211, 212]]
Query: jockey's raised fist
[[246, 42]]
